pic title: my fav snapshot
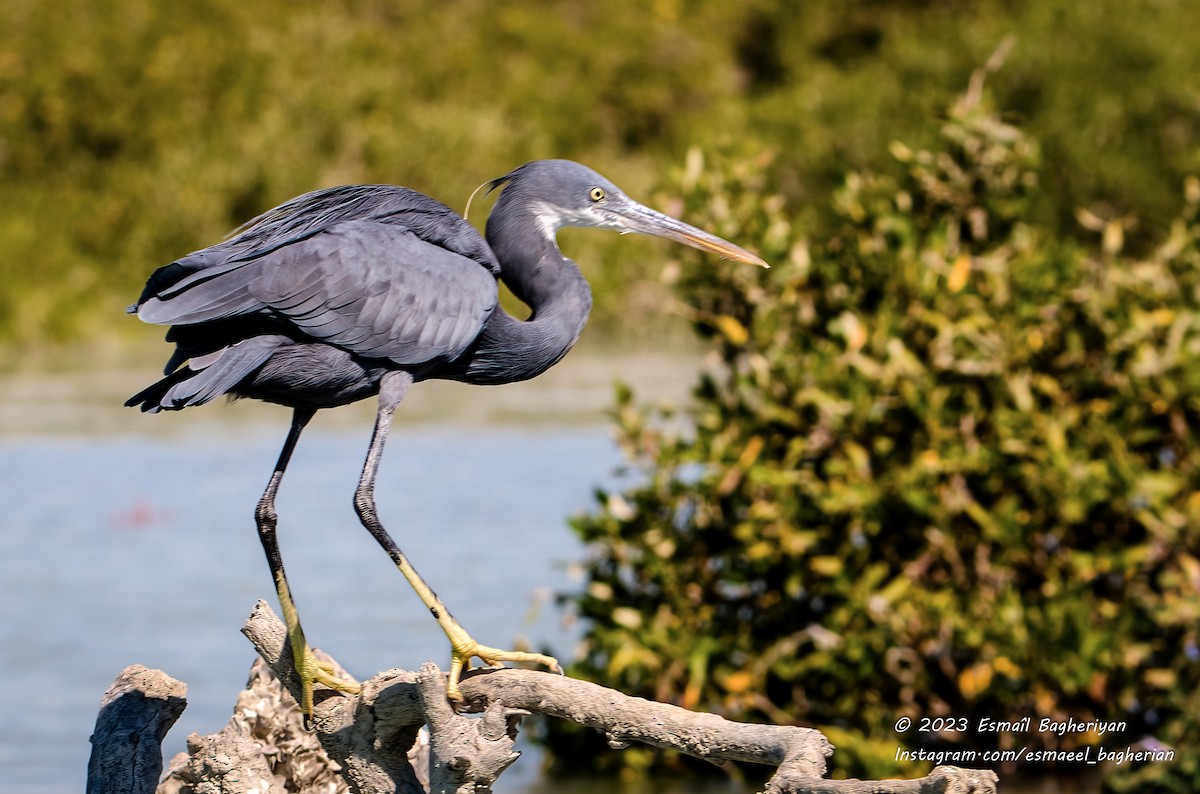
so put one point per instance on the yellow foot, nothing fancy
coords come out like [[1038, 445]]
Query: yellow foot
[[312, 670], [466, 648]]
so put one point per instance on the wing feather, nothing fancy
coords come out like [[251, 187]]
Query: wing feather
[[372, 288]]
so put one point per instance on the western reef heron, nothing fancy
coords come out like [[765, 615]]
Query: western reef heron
[[351, 292]]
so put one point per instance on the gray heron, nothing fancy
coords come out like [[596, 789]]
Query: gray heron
[[358, 291]]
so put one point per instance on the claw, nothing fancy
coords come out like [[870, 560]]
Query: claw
[[309, 669], [312, 670], [463, 649]]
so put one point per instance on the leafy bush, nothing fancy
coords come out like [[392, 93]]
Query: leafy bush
[[945, 464]]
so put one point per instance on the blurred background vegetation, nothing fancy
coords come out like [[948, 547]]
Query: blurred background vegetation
[[132, 131], [950, 466]]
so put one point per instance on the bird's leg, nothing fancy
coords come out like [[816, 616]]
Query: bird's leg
[[309, 669], [463, 648]]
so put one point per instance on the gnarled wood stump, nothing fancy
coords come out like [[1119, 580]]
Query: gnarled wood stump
[[373, 742]]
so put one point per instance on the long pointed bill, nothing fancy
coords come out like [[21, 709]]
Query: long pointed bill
[[629, 216]]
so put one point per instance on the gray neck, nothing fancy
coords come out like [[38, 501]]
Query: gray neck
[[551, 285]]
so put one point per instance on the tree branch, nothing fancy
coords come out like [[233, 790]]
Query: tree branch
[[369, 743], [473, 752]]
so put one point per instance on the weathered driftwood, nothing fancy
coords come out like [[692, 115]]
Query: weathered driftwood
[[135, 714], [366, 739], [263, 748]]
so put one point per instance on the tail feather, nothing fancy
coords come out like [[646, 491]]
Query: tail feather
[[212, 376], [150, 399]]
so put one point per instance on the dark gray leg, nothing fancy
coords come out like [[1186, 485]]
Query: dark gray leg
[[392, 390], [308, 668]]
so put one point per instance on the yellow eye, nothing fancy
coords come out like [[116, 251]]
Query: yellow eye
[[596, 194]]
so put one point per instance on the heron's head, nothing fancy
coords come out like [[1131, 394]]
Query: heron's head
[[562, 193]]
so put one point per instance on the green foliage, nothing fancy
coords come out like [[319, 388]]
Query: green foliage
[[944, 464], [134, 131]]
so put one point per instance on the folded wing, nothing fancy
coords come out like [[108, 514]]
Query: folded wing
[[369, 286]]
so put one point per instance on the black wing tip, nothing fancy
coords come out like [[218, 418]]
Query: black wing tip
[[144, 403]]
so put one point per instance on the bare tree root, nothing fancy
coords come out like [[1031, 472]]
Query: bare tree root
[[372, 742]]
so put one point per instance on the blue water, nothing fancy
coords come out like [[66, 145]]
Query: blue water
[[121, 548]]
